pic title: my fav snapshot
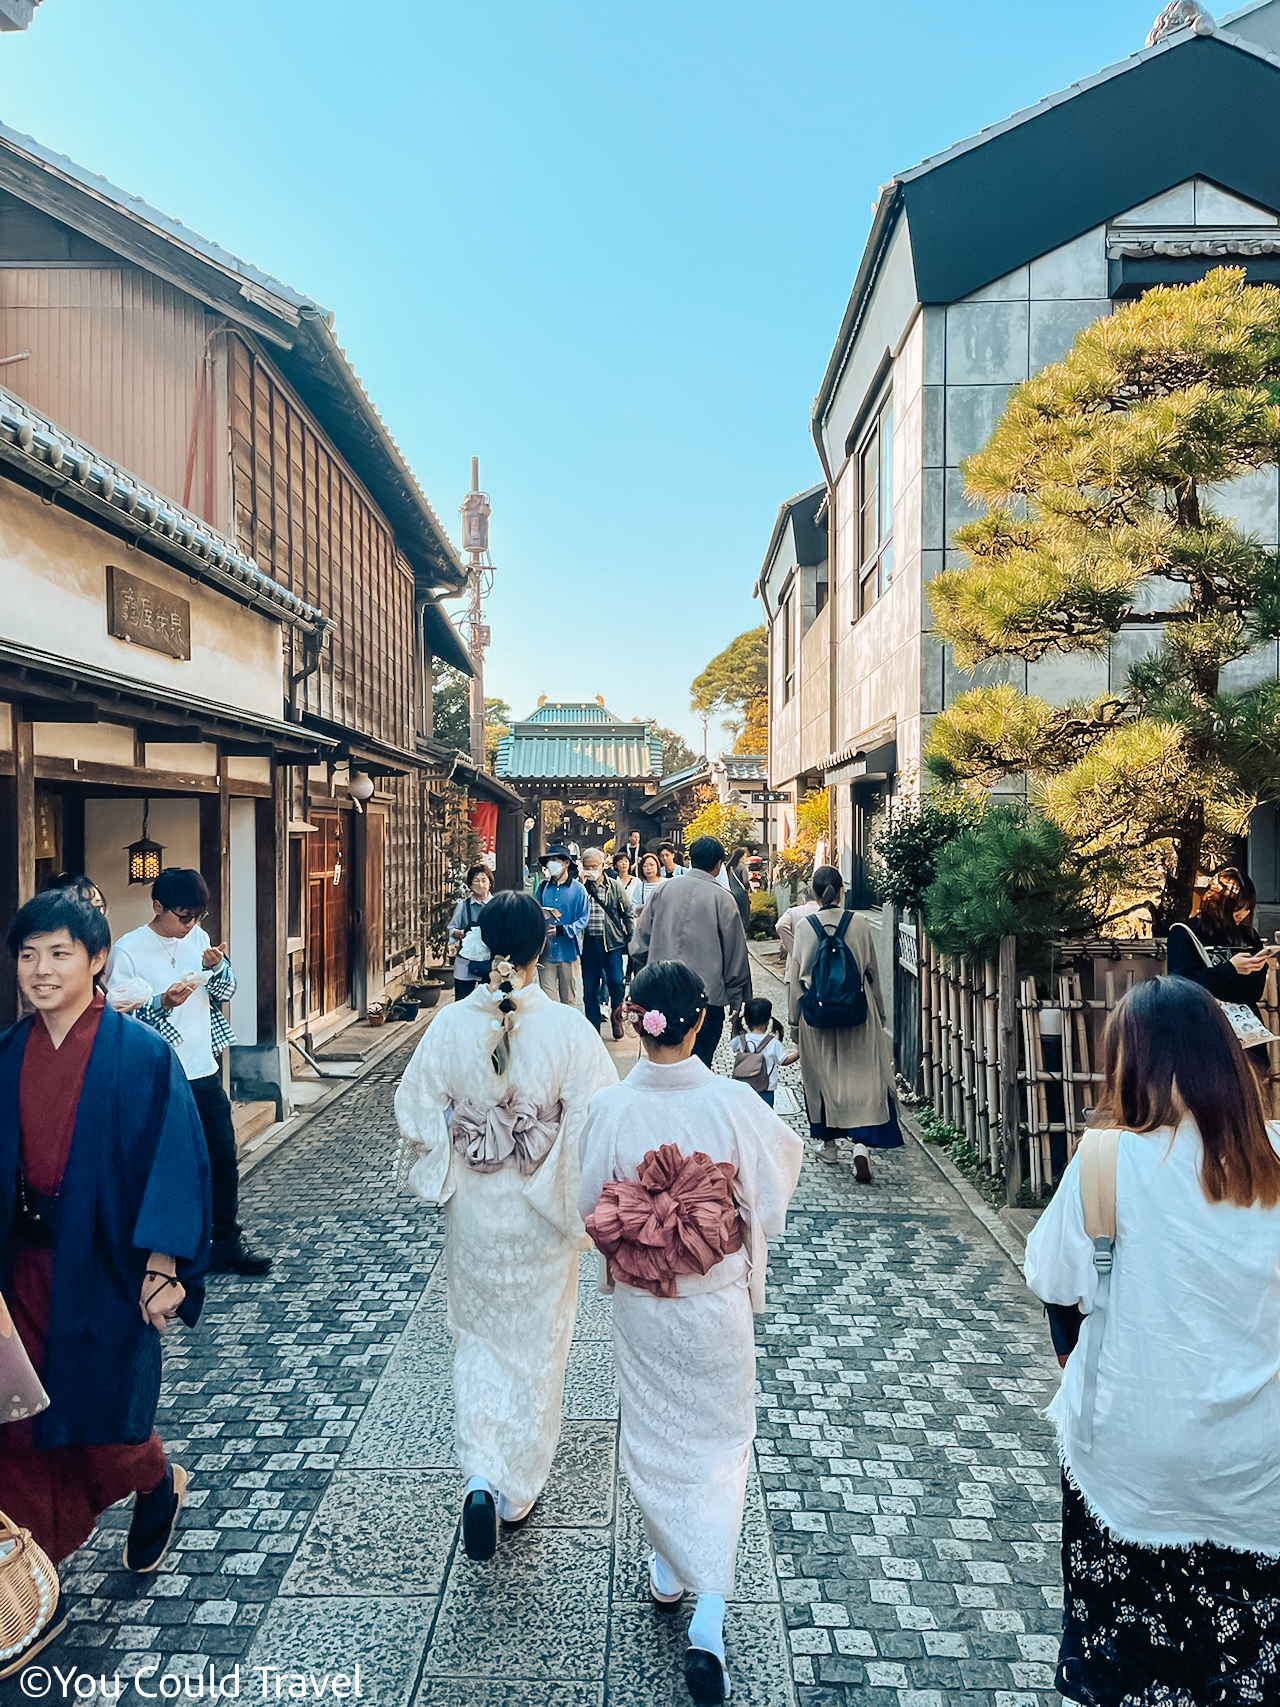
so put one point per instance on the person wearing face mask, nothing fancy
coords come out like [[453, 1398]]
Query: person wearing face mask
[[565, 907]]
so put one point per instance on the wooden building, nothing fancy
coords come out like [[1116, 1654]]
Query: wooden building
[[217, 401]]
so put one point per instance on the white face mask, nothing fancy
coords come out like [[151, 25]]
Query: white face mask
[[555, 868]]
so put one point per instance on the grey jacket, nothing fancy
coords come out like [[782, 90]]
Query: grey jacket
[[698, 922]]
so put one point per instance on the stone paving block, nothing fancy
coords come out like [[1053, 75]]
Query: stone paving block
[[580, 1491], [386, 1635], [538, 1609], [646, 1657], [378, 1532], [408, 1425], [507, 1692], [590, 1388]]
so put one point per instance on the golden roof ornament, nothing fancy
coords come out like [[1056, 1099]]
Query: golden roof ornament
[[1180, 15]]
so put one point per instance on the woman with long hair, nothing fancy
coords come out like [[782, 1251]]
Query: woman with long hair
[[848, 1071], [739, 884], [1220, 947], [490, 1110], [699, 1157], [1168, 1416]]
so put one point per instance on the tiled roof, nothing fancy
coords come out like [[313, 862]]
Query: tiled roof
[[29, 441], [571, 712], [591, 757], [745, 766]]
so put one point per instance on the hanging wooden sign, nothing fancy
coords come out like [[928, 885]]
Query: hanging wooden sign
[[147, 615]]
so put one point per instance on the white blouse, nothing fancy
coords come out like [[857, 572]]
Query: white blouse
[[1186, 1440]]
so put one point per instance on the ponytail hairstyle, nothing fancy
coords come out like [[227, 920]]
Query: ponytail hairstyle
[[514, 929], [757, 1012], [828, 886], [666, 1000]]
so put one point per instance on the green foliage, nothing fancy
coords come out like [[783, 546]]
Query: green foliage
[[734, 680], [1098, 478], [1009, 874], [677, 754], [730, 825], [762, 925], [954, 1142], [753, 737], [812, 821], [907, 840], [450, 705]]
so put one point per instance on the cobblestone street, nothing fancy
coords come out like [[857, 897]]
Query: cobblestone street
[[900, 1544]]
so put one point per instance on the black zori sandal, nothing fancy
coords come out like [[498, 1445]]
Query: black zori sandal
[[155, 1518], [705, 1677], [480, 1525]]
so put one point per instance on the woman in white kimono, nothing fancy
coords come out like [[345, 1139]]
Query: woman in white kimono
[[685, 1176], [490, 1112]]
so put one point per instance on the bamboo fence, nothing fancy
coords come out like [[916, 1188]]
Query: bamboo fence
[[1014, 1064]]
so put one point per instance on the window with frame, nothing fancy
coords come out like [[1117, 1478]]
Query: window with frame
[[788, 647], [875, 510]]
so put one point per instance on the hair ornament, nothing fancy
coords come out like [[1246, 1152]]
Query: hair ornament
[[654, 1022], [502, 992]]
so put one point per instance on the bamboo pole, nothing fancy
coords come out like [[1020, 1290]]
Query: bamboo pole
[[1007, 1005]]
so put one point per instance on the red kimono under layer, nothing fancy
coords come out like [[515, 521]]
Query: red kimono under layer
[[59, 1494]]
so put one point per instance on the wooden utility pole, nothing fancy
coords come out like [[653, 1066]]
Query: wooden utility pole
[[475, 509]]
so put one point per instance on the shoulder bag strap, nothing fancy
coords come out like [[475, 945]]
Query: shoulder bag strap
[[1098, 1155], [1199, 946]]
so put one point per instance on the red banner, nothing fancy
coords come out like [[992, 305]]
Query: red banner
[[484, 821]]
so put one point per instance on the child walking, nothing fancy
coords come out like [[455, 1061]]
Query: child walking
[[685, 1176], [758, 1035]]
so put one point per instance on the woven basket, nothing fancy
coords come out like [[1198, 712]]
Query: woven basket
[[28, 1589]]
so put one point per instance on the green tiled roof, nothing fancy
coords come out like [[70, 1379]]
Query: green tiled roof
[[585, 740]]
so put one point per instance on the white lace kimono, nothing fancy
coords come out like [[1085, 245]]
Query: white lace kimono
[[512, 1239], [686, 1365]]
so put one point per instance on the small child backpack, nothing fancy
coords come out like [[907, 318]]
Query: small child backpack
[[752, 1069], [835, 999]]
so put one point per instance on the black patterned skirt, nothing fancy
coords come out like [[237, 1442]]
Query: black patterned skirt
[[1164, 1626]]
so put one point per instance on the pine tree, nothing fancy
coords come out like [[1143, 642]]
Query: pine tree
[[1100, 478]]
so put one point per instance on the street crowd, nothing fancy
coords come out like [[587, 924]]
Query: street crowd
[[1158, 1258]]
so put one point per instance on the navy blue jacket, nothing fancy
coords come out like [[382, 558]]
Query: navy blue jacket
[[136, 1181]]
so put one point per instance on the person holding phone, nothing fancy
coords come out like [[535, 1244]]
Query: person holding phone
[[189, 976], [1219, 948]]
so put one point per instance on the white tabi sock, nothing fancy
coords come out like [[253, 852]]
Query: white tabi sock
[[861, 1150], [706, 1627], [478, 1485], [663, 1578]]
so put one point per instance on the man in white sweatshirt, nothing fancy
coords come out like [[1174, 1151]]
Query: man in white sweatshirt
[[187, 976]]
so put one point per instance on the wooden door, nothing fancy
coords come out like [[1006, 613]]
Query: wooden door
[[328, 913], [375, 869]]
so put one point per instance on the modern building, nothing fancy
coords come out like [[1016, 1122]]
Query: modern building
[[222, 588], [981, 266]]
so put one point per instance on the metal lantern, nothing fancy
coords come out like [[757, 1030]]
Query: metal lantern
[[144, 855]]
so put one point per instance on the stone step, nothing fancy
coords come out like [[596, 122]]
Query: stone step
[[251, 1119]]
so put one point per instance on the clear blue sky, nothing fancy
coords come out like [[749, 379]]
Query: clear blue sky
[[604, 247]]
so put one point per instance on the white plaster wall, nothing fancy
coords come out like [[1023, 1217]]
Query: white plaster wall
[[242, 935], [879, 654], [53, 574], [94, 743], [110, 825]]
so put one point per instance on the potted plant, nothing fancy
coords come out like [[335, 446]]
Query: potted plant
[[375, 1014], [402, 1008]]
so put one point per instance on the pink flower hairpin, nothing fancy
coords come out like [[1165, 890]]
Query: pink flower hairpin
[[654, 1023]]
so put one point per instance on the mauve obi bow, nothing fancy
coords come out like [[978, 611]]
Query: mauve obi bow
[[487, 1138], [678, 1217]]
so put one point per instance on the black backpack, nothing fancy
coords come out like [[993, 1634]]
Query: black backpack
[[835, 999]]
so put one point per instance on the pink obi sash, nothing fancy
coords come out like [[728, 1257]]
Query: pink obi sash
[[488, 1138], [678, 1217]]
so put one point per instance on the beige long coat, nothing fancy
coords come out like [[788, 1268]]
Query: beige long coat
[[847, 1075]]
